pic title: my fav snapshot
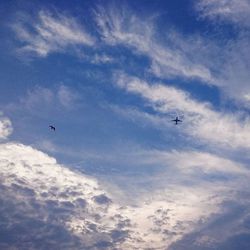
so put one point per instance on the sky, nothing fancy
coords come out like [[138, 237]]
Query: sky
[[117, 173]]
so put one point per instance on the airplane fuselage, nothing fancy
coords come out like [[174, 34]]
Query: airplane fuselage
[[176, 120]]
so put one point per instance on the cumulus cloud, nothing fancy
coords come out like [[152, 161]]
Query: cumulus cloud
[[203, 122], [51, 194], [235, 218], [5, 127], [44, 204], [51, 33]]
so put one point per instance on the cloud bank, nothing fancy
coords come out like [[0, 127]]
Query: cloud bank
[[44, 205]]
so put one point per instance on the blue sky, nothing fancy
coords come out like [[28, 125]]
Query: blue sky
[[117, 173]]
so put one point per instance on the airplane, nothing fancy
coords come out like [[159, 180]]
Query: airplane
[[52, 128], [176, 120]]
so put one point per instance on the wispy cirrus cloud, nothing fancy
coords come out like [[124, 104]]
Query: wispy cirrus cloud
[[235, 11], [120, 26], [51, 33], [232, 59], [193, 160], [203, 122], [220, 62]]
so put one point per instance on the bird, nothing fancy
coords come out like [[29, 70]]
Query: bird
[[52, 127]]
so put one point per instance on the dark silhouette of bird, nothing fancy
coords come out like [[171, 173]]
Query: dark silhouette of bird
[[52, 128], [176, 120]]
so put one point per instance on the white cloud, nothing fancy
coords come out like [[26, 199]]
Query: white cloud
[[234, 72], [232, 59], [188, 162], [6, 128], [208, 163], [121, 26], [222, 63], [51, 33], [164, 97], [236, 11], [201, 120], [219, 63], [42, 192]]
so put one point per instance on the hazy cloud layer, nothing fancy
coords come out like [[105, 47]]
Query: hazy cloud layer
[[40, 97]]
